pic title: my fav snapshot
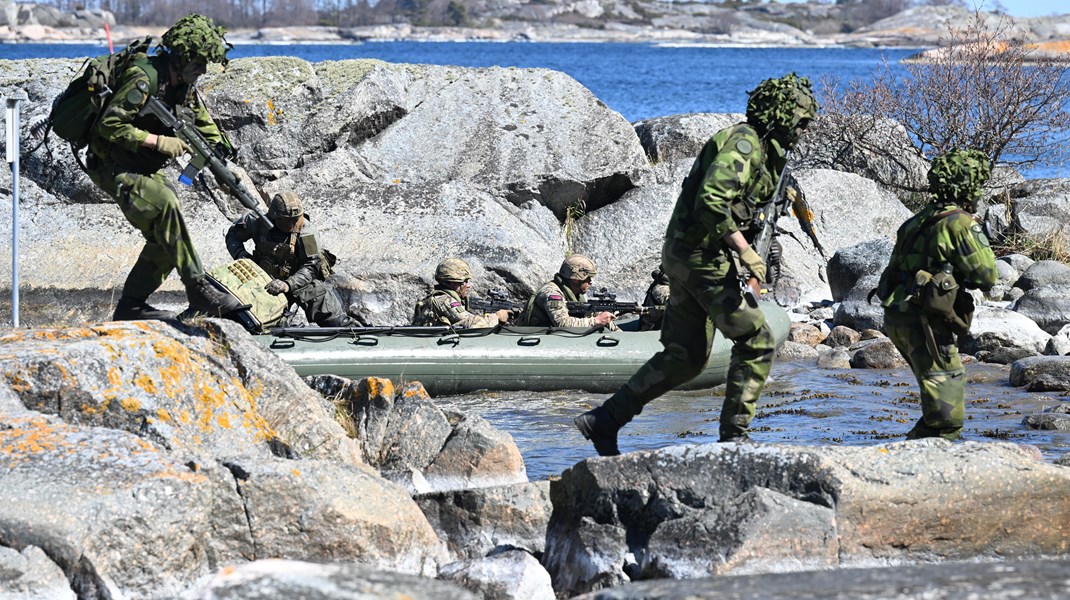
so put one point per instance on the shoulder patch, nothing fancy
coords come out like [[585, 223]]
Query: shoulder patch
[[979, 233], [136, 96], [454, 304], [554, 297], [744, 147]]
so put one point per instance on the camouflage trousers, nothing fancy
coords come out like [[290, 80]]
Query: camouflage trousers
[[320, 303], [941, 378], [696, 307], [150, 204]]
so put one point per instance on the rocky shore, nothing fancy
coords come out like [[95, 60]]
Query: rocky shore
[[193, 463]]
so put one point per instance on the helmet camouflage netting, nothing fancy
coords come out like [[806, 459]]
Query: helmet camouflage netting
[[453, 270], [197, 37], [782, 103], [959, 176]]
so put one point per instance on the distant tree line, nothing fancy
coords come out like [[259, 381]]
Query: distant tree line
[[350, 13]]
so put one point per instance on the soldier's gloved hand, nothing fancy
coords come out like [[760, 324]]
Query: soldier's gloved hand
[[244, 254], [754, 263], [276, 287], [171, 146]]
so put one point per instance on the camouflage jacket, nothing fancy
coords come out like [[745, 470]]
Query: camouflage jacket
[[282, 255], [941, 234], [446, 307], [121, 130], [733, 176], [548, 307]]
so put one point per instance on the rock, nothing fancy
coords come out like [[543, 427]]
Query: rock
[[475, 522], [508, 575], [996, 328], [1042, 373], [1063, 460], [1048, 306], [880, 354], [1018, 262], [1013, 294], [1059, 344], [842, 337], [1003, 356], [319, 511], [1008, 275], [1048, 421], [1001, 580], [852, 263], [1042, 274], [856, 311], [833, 358], [699, 511], [1041, 207], [805, 333], [31, 575], [794, 351], [277, 578], [681, 137], [476, 455]]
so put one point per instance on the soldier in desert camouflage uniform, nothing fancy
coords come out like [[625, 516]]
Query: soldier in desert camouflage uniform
[[942, 240], [734, 175], [548, 306], [289, 252], [448, 302], [657, 296]]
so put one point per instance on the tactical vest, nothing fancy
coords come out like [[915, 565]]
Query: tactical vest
[[279, 257], [425, 314], [531, 309]]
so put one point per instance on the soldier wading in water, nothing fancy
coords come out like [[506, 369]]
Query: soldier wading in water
[[939, 251], [734, 175]]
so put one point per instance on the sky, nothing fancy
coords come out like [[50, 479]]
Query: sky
[[1035, 8]]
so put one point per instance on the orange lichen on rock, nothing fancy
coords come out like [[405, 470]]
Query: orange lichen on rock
[[163, 415], [130, 404], [377, 386], [146, 383]]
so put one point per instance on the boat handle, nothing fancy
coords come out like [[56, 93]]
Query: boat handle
[[365, 341], [607, 341], [449, 339], [529, 341], [276, 344]]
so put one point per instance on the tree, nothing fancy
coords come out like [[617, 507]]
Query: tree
[[981, 89]]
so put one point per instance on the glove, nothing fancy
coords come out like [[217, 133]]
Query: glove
[[276, 287], [754, 263], [171, 146]]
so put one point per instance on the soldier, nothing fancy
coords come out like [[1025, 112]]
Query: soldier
[[290, 253], [448, 302], [942, 248], [734, 175], [127, 152], [657, 296], [548, 306]]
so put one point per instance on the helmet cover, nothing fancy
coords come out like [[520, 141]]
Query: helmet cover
[[196, 37], [782, 103], [453, 270], [959, 176], [286, 205], [577, 266]]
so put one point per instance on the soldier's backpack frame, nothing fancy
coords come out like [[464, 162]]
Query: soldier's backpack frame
[[245, 280]]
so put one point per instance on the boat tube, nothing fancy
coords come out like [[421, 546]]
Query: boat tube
[[457, 361]]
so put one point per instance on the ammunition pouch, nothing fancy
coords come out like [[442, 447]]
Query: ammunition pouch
[[939, 297]]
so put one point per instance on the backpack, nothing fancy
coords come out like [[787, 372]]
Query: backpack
[[76, 110]]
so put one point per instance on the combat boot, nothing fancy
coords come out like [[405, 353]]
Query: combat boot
[[207, 299], [134, 309], [601, 428]]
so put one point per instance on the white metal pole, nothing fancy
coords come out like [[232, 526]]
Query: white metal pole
[[12, 118]]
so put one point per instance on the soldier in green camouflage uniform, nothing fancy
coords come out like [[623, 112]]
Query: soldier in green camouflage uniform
[[448, 302], [548, 306], [127, 152], [945, 237], [289, 252], [734, 175]]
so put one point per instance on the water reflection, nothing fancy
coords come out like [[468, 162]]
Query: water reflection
[[802, 405]]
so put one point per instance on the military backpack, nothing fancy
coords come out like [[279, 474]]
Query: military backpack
[[76, 110]]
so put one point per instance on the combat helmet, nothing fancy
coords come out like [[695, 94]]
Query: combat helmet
[[781, 104], [959, 176], [196, 37], [453, 270], [286, 205], [577, 267]]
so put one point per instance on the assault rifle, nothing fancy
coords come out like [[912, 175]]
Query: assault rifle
[[788, 197], [204, 155], [497, 300], [604, 301]]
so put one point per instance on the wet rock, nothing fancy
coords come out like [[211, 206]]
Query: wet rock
[[277, 578], [681, 137], [1001, 580], [1043, 274], [852, 263], [856, 311], [475, 522], [997, 328], [1047, 306], [1042, 373], [1048, 421], [507, 575], [30, 574], [842, 337], [698, 511], [833, 358], [476, 455], [795, 351], [805, 333], [879, 354], [1059, 344], [1003, 356]]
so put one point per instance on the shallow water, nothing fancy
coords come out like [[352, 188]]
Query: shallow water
[[802, 405]]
